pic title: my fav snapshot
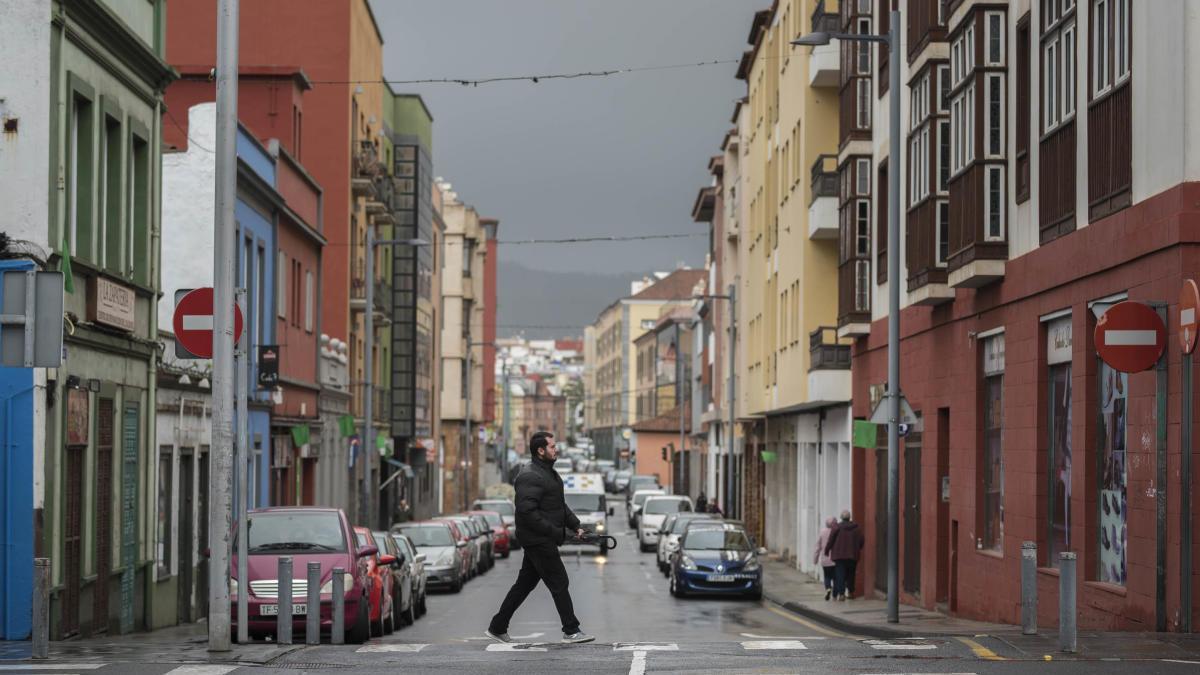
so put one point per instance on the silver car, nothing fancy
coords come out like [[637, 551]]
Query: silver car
[[443, 557]]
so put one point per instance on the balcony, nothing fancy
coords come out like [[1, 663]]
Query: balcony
[[823, 208], [358, 291], [927, 281], [823, 60], [378, 203], [366, 167], [854, 297], [829, 366], [976, 259]]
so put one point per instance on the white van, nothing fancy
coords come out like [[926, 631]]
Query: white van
[[584, 494], [654, 511]]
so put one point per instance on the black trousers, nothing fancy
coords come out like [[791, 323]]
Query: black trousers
[[843, 583], [542, 563]]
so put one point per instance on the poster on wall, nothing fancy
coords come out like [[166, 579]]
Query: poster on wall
[[1114, 388]]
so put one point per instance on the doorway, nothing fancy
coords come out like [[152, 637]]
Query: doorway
[[72, 540], [912, 514], [943, 503], [880, 536], [201, 580], [183, 525], [103, 508]]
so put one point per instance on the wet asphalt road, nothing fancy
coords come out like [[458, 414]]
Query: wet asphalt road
[[622, 599]]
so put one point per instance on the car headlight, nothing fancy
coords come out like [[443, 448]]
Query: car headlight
[[233, 587], [751, 565], [347, 583], [599, 527], [687, 562], [446, 559]]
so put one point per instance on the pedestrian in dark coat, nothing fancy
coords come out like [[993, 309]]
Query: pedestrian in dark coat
[[845, 545], [701, 503]]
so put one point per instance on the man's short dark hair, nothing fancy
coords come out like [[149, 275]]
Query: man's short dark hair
[[539, 441]]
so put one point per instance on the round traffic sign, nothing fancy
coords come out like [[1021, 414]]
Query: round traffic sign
[[1130, 337], [193, 322], [1189, 301]]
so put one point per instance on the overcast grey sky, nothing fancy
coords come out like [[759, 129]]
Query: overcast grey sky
[[618, 155]]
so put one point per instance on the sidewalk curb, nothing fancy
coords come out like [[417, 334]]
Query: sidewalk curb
[[838, 623]]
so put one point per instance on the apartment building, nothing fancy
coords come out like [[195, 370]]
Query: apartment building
[[1048, 172]]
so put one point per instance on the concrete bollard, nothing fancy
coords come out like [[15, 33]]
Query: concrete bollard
[[312, 624], [1067, 630], [337, 633], [41, 608], [283, 621], [1029, 588]]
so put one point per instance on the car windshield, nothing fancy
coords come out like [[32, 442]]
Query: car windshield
[[493, 519], [716, 540], [429, 535], [402, 544], [282, 531], [381, 543], [639, 499], [503, 508], [585, 501], [681, 523], [661, 506]]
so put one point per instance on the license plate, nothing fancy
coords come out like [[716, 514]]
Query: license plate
[[299, 609], [721, 577]]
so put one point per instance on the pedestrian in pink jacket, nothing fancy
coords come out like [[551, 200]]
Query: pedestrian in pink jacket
[[820, 556]]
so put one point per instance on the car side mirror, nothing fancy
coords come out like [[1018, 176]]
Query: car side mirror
[[611, 511], [387, 560], [366, 551], [761, 550], [420, 558], [461, 544]]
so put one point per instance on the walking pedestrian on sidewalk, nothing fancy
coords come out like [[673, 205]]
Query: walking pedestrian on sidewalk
[[821, 557], [845, 544], [542, 519], [701, 503]]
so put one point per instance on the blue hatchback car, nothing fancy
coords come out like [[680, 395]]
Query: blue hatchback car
[[716, 559]]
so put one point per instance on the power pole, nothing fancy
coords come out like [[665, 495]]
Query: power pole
[[368, 440], [220, 493], [506, 421], [732, 349], [243, 453], [465, 446]]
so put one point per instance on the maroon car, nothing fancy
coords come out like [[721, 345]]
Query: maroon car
[[503, 543], [307, 534]]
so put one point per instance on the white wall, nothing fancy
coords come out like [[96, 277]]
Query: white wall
[[188, 202], [25, 101]]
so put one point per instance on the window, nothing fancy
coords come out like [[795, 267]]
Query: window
[[1058, 63], [881, 224], [80, 173], [918, 161], [993, 452], [943, 99], [281, 284], [943, 233], [139, 212], [943, 160], [995, 114], [962, 121], [864, 103], [864, 48], [862, 285], [862, 176], [111, 214], [1024, 77], [163, 543], [994, 22], [1058, 361], [995, 203], [309, 299], [1120, 26], [1110, 44], [1112, 544], [862, 228], [468, 252]]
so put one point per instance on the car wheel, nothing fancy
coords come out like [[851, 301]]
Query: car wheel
[[604, 547], [389, 624], [505, 554], [756, 594], [410, 617], [421, 609], [397, 617], [361, 632], [457, 587], [676, 589]]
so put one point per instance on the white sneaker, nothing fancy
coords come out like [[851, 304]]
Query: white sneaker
[[578, 638], [499, 637]]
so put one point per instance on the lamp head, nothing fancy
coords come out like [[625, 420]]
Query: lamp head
[[816, 39]]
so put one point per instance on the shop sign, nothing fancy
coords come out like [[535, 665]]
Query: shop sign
[[111, 304]]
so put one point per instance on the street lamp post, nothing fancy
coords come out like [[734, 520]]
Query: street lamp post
[[892, 40], [466, 446], [731, 296], [368, 439]]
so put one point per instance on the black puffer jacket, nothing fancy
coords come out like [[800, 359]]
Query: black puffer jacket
[[542, 512]]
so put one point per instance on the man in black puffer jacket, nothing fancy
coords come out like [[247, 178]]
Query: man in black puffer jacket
[[542, 520]]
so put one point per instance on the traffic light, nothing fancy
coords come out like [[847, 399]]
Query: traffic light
[[664, 453]]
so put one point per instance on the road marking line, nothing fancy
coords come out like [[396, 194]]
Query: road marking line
[[645, 646], [392, 647], [1178, 661], [809, 624], [512, 647], [53, 666], [782, 637], [773, 644], [202, 670], [638, 665], [981, 651], [885, 644]]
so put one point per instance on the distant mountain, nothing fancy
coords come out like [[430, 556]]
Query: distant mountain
[[536, 304]]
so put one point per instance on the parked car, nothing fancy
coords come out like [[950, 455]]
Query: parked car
[[639, 482], [620, 481], [670, 532], [610, 476], [564, 465], [463, 532], [500, 537], [444, 552], [307, 534], [508, 513], [420, 581], [654, 511], [719, 559], [480, 540], [635, 503], [379, 568], [487, 538], [404, 597]]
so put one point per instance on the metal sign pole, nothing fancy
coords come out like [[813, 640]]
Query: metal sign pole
[[368, 438], [222, 379], [245, 478], [893, 232]]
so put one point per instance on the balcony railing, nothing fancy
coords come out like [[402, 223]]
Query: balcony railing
[[382, 404], [824, 21], [825, 351], [366, 161], [824, 177]]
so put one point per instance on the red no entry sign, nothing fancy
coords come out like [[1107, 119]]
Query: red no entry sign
[[1189, 300], [1130, 337], [193, 323]]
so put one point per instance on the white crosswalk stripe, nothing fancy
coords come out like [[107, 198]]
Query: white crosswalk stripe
[[513, 647], [645, 647], [203, 669], [41, 667], [900, 644], [773, 644], [391, 647]]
